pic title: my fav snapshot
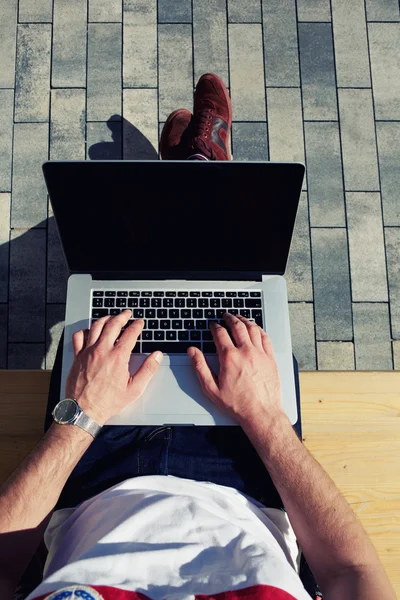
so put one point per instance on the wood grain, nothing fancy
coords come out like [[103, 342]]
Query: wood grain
[[351, 425]]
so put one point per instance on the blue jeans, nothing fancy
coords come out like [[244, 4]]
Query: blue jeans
[[222, 455]]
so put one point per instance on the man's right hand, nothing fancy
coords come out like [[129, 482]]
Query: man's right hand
[[248, 386]]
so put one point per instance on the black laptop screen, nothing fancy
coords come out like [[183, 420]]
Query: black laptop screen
[[169, 216]]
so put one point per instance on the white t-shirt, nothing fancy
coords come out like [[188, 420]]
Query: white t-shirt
[[161, 537]]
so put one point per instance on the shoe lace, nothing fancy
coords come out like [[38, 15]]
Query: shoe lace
[[202, 123], [201, 129]]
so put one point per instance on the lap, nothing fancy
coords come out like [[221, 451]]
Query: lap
[[222, 455]]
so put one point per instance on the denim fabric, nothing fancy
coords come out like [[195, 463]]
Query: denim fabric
[[222, 455]]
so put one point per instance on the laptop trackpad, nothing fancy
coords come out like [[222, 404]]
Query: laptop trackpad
[[174, 389]]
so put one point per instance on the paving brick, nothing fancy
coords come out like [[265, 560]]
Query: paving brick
[[303, 338], [32, 80], [366, 244], [26, 356], [160, 128], [55, 316], [351, 47], [210, 39], [285, 126], [247, 72], [104, 140], [335, 356], [67, 127], [244, 12], [280, 43], [27, 286], [8, 29], [3, 335], [174, 11], [331, 285], [383, 10], [372, 337], [324, 175], [140, 125], [358, 140], [396, 355], [384, 45], [29, 197], [392, 236], [104, 11], [57, 272], [298, 271], [250, 141], [317, 71], [5, 200], [313, 10], [40, 11], [69, 43], [104, 71], [140, 43], [388, 135], [175, 68], [6, 130]]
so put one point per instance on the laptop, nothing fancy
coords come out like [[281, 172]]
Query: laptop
[[179, 243]]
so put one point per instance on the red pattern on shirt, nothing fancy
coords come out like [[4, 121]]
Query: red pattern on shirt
[[255, 592]]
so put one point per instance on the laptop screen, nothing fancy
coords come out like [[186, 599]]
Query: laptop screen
[[175, 216]]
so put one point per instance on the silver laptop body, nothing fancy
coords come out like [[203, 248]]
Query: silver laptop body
[[174, 396]]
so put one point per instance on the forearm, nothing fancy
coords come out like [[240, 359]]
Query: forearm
[[325, 525], [30, 494]]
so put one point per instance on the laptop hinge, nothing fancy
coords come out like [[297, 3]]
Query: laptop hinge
[[174, 275]]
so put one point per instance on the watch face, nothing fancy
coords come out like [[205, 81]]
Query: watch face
[[66, 410]]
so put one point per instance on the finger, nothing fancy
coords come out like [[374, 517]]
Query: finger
[[112, 328], [96, 329], [149, 368], [128, 339], [221, 339], [208, 380], [267, 344], [78, 341], [254, 332], [238, 330]]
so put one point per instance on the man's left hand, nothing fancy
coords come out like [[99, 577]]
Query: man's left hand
[[99, 378]]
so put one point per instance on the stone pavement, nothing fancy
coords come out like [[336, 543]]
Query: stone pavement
[[312, 80]]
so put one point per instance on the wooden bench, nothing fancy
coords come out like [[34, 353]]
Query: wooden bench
[[351, 424]]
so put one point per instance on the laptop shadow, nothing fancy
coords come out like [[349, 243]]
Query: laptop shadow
[[33, 272]]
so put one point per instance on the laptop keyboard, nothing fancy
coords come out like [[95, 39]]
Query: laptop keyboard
[[176, 320]]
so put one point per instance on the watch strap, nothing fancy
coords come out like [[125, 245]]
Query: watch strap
[[88, 424]]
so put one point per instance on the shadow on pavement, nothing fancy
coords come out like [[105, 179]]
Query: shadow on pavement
[[36, 261], [128, 142]]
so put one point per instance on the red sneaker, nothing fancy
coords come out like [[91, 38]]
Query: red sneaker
[[174, 142], [212, 119]]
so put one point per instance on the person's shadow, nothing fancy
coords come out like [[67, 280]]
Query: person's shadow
[[127, 143], [37, 277]]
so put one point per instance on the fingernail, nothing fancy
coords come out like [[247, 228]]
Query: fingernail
[[191, 352], [158, 355]]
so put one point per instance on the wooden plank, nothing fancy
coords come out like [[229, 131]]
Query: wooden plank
[[23, 401], [12, 382], [351, 426]]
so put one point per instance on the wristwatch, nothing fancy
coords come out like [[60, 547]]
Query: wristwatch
[[68, 412]]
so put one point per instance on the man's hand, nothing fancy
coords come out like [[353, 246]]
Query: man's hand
[[99, 378], [248, 386]]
